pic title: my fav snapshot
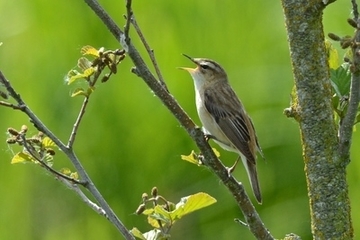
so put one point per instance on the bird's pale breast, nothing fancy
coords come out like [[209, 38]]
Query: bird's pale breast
[[211, 127]]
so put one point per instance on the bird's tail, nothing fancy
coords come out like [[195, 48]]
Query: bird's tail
[[254, 181]]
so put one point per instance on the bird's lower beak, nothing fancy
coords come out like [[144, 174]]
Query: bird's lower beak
[[190, 70]]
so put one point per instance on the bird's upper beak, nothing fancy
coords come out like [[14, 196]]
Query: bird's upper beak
[[190, 70]]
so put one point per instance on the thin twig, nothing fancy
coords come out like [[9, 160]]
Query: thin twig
[[237, 220], [57, 174], [84, 105], [11, 91], [150, 52], [10, 105], [22, 107], [77, 123], [102, 14], [86, 200], [146, 45], [87, 182], [355, 10], [129, 15]]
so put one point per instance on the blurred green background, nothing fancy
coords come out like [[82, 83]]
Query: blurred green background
[[128, 141]]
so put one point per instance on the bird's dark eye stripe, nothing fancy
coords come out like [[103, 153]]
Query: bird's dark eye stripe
[[204, 66]]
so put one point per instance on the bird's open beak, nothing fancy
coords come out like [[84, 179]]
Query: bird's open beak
[[190, 70]]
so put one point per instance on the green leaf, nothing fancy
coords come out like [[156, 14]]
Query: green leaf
[[89, 71], [89, 50], [65, 171], [332, 53], [340, 80], [75, 78], [216, 152], [192, 203], [157, 214], [192, 158], [357, 120], [84, 63], [156, 234], [47, 142], [74, 175], [90, 90], [21, 157], [136, 232], [74, 75], [335, 101], [185, 206], [79, 92]]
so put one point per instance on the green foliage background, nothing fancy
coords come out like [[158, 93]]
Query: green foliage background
[[128, 141]]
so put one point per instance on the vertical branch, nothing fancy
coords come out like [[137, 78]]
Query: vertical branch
[[346, 128], [129, 15], [355, 10]]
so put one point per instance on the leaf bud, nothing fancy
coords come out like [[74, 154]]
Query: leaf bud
[[24, 129], [144, 197], [334, 37], [13, 132], [140, 209], [352, 22], [154, 191]]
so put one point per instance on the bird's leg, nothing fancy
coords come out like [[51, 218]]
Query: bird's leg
[[209, 136], [232, 168]]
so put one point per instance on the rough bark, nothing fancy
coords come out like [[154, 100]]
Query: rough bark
[[311, 107]]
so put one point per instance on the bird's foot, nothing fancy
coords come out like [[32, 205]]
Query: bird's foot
[[232, 168], [208, 137]]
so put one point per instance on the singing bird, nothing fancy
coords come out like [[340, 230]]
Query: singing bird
[[223, 116]]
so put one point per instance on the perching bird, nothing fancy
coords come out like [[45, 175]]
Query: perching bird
[[224, 117]]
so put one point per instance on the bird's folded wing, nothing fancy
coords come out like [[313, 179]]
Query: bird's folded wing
[[232, 120]]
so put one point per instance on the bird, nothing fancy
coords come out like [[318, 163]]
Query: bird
[[224, 118]]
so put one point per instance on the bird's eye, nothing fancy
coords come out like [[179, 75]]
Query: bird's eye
[[204, 66]]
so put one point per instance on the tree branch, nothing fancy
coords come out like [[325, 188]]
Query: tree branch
[[347, 124], [87, 182], [85, 199], [256, 226]]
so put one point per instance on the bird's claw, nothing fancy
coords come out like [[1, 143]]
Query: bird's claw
[[232, 168], [208, 137]]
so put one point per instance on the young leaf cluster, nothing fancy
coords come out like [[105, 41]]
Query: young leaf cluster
[[90, 71], [162, 214]]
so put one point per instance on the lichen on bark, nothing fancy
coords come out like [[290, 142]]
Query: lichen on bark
[[326, 178]]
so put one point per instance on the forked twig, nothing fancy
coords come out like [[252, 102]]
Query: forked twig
[[85, 199], [57, 174], [143, 40], [86, 181]]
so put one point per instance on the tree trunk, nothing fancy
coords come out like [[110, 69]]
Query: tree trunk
[[311, 107]]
